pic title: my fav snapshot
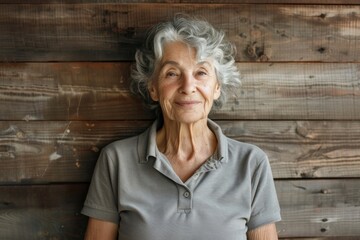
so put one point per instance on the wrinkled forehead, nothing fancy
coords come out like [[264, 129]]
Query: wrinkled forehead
[[172, 50]]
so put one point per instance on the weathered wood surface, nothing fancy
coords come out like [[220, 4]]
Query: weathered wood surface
[[41, 152], [323, 238], [322, 2], [108, 32], [78, 108], [303, 149], [296, 91], [42, 212], [342, 2], [319, 208], [62, 91], [314, 208], [99, 91]]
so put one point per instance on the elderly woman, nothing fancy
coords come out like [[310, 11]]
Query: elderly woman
[[182, 178]]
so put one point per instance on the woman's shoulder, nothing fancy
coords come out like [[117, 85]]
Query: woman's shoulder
[[127, 148], [244, 149], [125, 143], [121, 149], [245, 146], [247, 158]]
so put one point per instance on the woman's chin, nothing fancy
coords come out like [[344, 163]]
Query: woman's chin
[[188, 118]]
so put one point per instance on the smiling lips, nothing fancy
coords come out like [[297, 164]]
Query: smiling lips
[[188, 103]]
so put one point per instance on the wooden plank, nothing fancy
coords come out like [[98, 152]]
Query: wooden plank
[[62, 91], [323, 238], [314, 208], [303, 149], [319, 208], [322, 2], [42, 212], [42, 152], [296, 91], [108, 32], [99, 91]]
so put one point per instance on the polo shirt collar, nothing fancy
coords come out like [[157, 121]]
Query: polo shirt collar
[[147, 143], [222, 148]]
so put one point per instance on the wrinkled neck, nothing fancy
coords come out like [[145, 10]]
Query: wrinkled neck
[[186, 141]]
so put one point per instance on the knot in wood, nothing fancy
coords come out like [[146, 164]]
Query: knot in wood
[[323, 15], [264, 58], [20, 134], [324, 191], [251, 52], [256, 53]]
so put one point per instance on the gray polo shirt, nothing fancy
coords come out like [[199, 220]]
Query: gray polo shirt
[[135, 186]]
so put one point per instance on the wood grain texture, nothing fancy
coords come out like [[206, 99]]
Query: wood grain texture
[[42, 212], [319, 208], [42, 152], [62, 91], [323, 238], [261, 32], [303, 2], [299, 102], [99, 91], [312, 208], [322, 2], [296, 91], [303, 149]]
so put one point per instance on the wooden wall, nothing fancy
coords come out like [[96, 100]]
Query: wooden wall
[[64, 69]]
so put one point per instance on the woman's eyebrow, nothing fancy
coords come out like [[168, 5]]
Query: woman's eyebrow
[[174, 63], [170, 62], [204, 63]]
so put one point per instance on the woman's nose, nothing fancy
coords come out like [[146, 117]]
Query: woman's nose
[[188, 84]]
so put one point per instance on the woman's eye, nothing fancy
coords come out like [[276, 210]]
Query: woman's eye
[[171, 74], [202, 73]]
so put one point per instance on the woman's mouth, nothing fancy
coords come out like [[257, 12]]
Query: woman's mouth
[[186, 103]]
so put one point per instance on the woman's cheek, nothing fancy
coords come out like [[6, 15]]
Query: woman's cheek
[[207, 92]]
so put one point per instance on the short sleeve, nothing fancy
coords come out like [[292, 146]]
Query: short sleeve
[[101, 200], [265, 207]]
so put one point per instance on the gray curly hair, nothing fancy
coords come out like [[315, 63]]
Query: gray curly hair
[[199, 34]]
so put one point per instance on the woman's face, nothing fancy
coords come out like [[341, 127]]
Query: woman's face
[[184, 87]]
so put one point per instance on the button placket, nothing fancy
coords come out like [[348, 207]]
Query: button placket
[[184, 199]]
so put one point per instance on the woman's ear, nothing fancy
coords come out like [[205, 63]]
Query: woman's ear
[[217, 91], [153, 92]]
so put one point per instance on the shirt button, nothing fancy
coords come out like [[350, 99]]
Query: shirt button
[[186, 194]]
